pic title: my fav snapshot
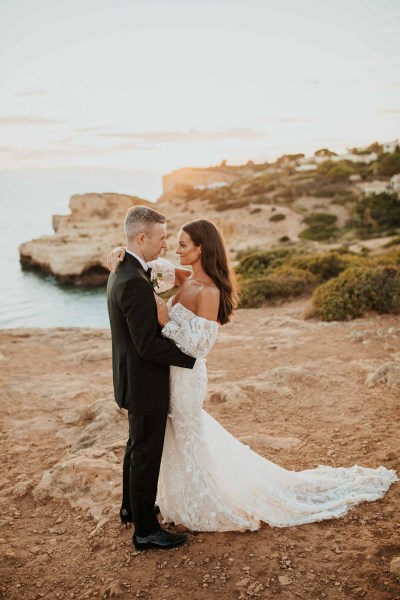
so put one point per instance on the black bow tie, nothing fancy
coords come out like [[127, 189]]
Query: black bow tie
[[148, 273]]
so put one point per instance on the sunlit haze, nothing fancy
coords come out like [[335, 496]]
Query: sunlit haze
[[160, 85]]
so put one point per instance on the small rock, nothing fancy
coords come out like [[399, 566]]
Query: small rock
[[112, 590], [388, 373], [243, 582], [394, 566], [218, 398], [284, 580]]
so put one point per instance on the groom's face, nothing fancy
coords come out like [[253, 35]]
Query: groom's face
[[154, 242]]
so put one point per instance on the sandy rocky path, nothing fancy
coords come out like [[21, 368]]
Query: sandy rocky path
[[301, 393]]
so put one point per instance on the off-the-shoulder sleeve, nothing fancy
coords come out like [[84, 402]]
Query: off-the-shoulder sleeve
[[195, 337], [164, 272]]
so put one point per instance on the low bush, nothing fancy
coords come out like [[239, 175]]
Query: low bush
[[336, 172], [389, 163], [377, 214], [321, 226], [257, 263], [325, 265], [344, 198], [284, 282], [277, 217], [356, 291]]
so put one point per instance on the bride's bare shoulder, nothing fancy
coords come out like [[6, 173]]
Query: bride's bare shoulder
[[207, 302]]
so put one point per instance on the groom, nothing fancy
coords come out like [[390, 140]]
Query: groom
[[141, 358]]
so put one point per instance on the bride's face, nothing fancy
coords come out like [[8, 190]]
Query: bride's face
[[188, 253]]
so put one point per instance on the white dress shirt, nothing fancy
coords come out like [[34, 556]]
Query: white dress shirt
[[142, 262]]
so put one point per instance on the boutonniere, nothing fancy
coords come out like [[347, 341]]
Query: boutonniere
[[156, 278]]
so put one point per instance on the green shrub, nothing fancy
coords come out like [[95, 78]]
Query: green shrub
[[260, 187], [389, 164], [244, 252], [321, 227], [284, 282], [357, 290], [324, 265], [336, 172], [344, 198], [376, 214], [257, 263], [277, 217], [388, 258]]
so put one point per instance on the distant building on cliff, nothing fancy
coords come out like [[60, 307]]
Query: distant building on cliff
[[391, 146]]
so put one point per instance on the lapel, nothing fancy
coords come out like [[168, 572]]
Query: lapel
[[135, 263]]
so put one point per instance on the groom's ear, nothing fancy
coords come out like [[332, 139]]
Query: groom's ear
[[141, 237]]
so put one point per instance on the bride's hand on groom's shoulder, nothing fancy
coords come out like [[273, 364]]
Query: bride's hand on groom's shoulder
[[114, 258], [162, 311]]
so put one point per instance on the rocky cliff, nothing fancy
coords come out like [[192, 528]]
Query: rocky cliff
[[195, 177], [77, 251]]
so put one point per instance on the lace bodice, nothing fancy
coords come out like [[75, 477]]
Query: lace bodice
[[192, 334]]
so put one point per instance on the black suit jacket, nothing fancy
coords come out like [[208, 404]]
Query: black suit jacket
[[140, 355]]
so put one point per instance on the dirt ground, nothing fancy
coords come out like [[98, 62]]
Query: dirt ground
[[301, 393]]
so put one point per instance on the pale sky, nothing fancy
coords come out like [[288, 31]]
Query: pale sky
[[143, 84]]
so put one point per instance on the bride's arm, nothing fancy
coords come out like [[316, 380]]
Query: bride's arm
[[194, 336]]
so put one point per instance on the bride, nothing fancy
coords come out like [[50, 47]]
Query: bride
[[209, 481]]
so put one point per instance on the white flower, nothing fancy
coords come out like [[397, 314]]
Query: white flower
[[156, 278]]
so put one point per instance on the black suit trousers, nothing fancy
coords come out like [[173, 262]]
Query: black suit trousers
[[141, 468]]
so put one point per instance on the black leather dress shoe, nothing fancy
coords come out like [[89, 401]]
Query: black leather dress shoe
[[160, 539]]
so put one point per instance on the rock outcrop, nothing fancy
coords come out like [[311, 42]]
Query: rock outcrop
[[77, 251], [201, 177]]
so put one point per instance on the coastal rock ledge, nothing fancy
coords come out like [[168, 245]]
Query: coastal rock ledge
[[77, 252]]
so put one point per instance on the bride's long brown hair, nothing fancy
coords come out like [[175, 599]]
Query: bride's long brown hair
[[216, 263]]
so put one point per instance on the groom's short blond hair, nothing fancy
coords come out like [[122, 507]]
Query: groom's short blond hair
[[140, 219]]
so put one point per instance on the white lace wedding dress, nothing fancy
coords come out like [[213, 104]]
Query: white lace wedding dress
[[209, 481]]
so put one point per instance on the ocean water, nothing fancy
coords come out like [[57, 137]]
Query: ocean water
[[28, 199]]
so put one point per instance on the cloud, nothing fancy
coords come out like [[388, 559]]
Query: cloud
[[193, 135], [28, 120], [69, 151], [313, 82], [30, 93]]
